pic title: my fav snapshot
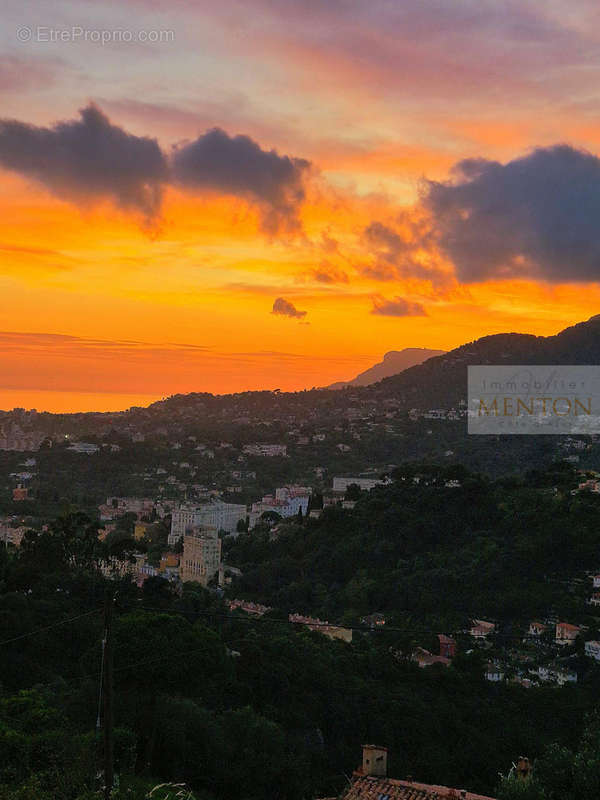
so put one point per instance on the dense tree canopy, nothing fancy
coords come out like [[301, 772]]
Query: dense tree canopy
[[218, 700]]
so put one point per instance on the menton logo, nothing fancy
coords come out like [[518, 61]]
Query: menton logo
[[533, 399]]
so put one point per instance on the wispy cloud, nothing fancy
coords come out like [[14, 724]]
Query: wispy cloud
[[398, 307], [18, 74], [50, 362], [328, 273]]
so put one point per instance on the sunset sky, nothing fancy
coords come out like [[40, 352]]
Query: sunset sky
[[229, 195]]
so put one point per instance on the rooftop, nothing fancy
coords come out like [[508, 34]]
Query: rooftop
[[369, 788]]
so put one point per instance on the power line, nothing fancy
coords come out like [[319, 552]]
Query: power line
[[224, 615], [50, 627], [174, 655], [276, 620], [320, 624], [60, 679]]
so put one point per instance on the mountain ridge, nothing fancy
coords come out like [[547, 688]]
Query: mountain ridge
[[442, 380], [393, 362]]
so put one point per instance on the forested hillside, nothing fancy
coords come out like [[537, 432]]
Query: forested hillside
[[219, 700], [439, 542]]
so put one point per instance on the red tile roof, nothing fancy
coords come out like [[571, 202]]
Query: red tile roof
[[369, 788], [426, 659], [566, 626]]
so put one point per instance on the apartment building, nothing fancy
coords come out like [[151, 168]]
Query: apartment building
[[201, 555], [287, 502], [366, 484], [219, 515]]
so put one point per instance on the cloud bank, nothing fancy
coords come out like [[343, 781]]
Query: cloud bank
[[90, 159], [236, 165], [537, 216], [87, 160]]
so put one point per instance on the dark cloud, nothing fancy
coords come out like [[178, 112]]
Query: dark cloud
[[398, 307], [88, 159], [537, 216], [237, 165], [286, 309], [328, 273]]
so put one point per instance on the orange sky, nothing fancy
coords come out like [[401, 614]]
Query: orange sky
[[102, 308]]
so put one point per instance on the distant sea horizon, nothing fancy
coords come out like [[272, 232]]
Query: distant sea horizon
[[65, 402]]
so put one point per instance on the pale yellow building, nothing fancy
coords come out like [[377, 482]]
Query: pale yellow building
[[201, 555]]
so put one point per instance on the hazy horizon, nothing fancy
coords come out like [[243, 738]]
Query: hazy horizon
[[78, 401]]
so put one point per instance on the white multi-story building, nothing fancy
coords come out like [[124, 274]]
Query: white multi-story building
[[223, 516], [182, 519], [292, 493], [287, 502], [341, 484], [219, 515]]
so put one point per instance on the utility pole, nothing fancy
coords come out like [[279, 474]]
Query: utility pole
[[107, 682]]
